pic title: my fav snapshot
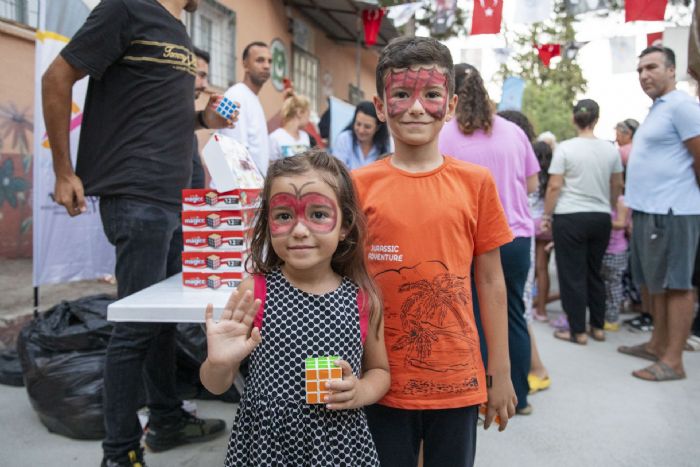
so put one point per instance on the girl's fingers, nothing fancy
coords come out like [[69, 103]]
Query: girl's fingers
[[231, 305], [347, 369], [340, 400], [209, 315], [345, 385], [255, 338], [251, 312], [240, 311]]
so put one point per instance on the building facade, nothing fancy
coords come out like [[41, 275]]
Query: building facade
[[317, 47]]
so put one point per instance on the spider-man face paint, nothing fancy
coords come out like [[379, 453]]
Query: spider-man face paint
[[316, 211], [404, 87]]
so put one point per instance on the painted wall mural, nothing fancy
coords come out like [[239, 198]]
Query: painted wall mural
[[16, 130]]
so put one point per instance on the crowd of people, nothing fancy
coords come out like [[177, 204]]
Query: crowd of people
[[362, 265]]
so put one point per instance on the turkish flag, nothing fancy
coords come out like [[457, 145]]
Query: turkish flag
[[655, 38], [547, 52], [372, 21], [487, 17], [644, 10]]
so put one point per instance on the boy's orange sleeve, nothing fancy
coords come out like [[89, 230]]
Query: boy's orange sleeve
[[492, 230]]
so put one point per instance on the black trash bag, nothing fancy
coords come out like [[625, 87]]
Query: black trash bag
[[10, 369], [62, 353], [191, 351]]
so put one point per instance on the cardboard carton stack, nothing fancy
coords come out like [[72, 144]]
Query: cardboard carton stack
[[217, 223], [216, 230]]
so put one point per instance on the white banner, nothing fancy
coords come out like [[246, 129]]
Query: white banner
[[533, 11], [676, 39], [65, 248], [624, 54]]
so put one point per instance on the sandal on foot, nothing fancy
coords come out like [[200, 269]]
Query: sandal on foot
[[538, 384], [639, 350], [597, 334], [579, 339], [527, 410], [560, 323], [541, 318], [658, 372]]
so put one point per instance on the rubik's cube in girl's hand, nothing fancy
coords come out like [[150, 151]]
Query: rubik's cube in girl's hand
[[226, 107], [318, 372]]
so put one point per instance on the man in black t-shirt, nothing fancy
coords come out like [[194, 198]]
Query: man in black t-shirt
[[135, 153], [200, 85]]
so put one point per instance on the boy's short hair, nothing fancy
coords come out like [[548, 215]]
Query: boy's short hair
[[405, 52]]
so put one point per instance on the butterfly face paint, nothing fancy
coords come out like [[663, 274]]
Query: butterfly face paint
[[316, 211], [413, 83]]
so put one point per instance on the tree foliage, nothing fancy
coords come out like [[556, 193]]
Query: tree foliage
[[550, 91], [548, 109]]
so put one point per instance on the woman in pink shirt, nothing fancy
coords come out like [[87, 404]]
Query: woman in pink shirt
[[479, 136], [624, 132]]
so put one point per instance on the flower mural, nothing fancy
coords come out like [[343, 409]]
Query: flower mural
[[12, 188], [16, 131], [16, 128]]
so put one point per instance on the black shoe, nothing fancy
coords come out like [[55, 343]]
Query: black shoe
[[642, 323], [132, 459], [188, 429]]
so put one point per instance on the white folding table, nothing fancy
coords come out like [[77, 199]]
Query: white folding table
[[168, 302]]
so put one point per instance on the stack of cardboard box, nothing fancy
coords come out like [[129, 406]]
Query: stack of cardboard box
[[216, 231]]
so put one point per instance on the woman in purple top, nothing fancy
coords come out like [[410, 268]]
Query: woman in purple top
[[479, 136]]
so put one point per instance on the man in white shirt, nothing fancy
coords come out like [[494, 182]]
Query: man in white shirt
[[251, 127]]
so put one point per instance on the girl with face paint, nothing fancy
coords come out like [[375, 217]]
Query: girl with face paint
[[309, 296]]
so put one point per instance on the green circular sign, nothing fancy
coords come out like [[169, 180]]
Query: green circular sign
[[280, 64]]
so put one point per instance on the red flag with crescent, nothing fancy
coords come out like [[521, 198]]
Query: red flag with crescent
[[547, 52], [644, 10], [487, 17]]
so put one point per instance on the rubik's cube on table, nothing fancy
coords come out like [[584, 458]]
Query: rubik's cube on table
[[226, 107], [318, 371]]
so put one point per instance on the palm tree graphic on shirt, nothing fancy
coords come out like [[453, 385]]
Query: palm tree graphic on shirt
[[425, 315]]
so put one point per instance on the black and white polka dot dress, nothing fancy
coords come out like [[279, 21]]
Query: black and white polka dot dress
[[274, 424]]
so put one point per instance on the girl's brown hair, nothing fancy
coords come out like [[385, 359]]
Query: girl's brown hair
[[348, 259], [474, 107]]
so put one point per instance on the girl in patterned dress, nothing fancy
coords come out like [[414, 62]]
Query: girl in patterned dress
[[309, 296]]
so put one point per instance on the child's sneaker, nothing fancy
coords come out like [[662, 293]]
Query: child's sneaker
[[132, 459], [643, 323], [614, 327], [188, 429]]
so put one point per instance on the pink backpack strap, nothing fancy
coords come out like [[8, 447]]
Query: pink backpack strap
[[259, 292], [362, 306]]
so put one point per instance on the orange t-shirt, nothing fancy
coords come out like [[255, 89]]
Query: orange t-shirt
[[423, 231]]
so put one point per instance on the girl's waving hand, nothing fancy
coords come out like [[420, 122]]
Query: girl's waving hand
[[230, 339]]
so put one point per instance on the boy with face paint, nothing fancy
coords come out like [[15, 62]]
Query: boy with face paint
[[429, 218]]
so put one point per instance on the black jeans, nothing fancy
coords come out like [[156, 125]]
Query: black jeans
[[515, 261], [449, 436], [139, 354], [580, 241]]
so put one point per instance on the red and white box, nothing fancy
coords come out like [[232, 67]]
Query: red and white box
[[217, 220], [214, 261], [212, 200], [211, 280], [224, 240]]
